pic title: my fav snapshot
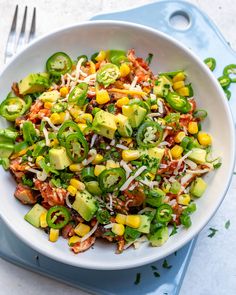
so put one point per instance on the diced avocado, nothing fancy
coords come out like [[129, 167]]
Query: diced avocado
[[33, 216], [155, 197], [58, 158], [34, 83], [50, 96], [104, 124], [162, 87], [175, 187], [85, 204], [198, 156], [123, 125], [145, 224], [134, 113], [156, 152], [6, 149], [159, 237], [198, 187], [93, 188]]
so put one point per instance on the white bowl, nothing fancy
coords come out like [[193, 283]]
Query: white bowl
[[169, 55]]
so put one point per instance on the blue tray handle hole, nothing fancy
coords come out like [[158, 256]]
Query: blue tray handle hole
[[180, 20]]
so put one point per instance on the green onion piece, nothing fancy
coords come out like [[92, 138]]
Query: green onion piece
[[227, 93], [210, 62], [149, 58], [93, 57], [224, 81], [201, 114], [230, 70], [87, 174], [171, 74]]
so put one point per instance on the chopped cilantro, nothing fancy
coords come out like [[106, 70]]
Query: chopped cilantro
[[166, 265], [227, 224], [149, 58], [213, 232], [111, 108], [138, 278], [174, 230], [153, 267], [217, 165], [27, 181]]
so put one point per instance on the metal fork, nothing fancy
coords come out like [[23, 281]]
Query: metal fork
[[15, 41]]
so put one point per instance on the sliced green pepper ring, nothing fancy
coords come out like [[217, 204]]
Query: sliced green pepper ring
[[224, 81], [111, 179], [57, 217], [103, 216], [85, 59], [76, 147], [66, 128], [108, 74], [141, 103], [164, 213], [59, 107], [178, 102], [79, 94], [210, 62], [87, 174], [58, 64], [200, 113], [229, 71], [12, 108], [149, 134]]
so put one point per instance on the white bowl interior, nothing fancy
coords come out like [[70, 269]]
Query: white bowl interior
[[168, 56]]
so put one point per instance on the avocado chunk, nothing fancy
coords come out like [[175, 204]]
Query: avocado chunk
[[85, 204], [104, 124], [159, 237], [134, 113], [145, 224], [198, 187], [123, 125], [198, 156], [33, 216], [50, 96], [162, 87], [34, 83], [156, 152], [58, 158], [93, 188]]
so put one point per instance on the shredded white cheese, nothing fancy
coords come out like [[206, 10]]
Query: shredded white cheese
[[128, 170], [122, 147], [181, 161], [93, 139], [45, 132], [160, 106], [131, 178], [46, 119], [134, 82], [198, 171]]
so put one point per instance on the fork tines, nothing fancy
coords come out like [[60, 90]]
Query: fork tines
[[17, 41]]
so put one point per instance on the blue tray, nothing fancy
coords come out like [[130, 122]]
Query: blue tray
[[186, 23]]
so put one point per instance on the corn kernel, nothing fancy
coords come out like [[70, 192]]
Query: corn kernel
[[178, 85], [183, 199], [101, 55], [184, 91], [48, 105], [102, 96], [83, 118], [166, 187], [82, 229], [53, 235], [192, 127], [73, 240], [72, 190], [38, 159], [75, 167], [161, 121], [98, 169], [154, 107], [204, 138], [75, 112], [127, 140], [121, 218], [77, 184], [98, 159], [176, 151], [112, 164], [124, 70], [82, 127], [55, 118], [92, 67], [179, 77], [64, 91], [43, 220], [130, 155], [179, 137], [122, 101], [54, 142], [150, 176], [118, 229], [133, 221]]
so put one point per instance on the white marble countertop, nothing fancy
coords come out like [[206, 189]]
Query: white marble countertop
[[208, 273]]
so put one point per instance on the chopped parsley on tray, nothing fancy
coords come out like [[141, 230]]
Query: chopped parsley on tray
[[103, 148]]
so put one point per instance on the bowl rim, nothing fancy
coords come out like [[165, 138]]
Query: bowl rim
[[145, 260]]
